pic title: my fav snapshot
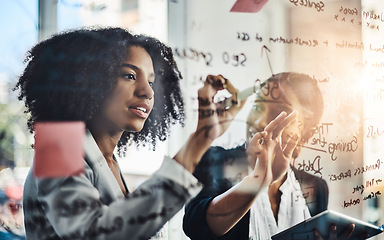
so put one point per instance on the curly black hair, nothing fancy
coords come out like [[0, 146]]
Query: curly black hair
[[69, 75]]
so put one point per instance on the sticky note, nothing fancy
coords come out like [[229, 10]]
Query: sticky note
[[59, 150], [14, 192], [250, 6]]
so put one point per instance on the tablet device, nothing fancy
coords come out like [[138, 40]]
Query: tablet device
[[322, 222]]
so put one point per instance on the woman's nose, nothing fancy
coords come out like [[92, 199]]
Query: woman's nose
[[144, 89], [261, 123]]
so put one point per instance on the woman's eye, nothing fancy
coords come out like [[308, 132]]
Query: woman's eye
[[151, 84], [129, 76], [251, 133], [257, 108]]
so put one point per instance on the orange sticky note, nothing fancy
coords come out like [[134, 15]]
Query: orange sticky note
[[248, 5], [59, 150]]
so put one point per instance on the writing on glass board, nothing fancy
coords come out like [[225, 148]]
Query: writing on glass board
[[234, 59], [361, 189], [369, 183], [310, 166], [356, 171], [317, 5], [332, 147], [353, 16], [374, 131]]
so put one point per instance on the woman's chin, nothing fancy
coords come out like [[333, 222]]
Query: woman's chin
[[134, 128]]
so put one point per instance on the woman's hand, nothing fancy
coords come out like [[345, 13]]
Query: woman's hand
[[214, 120], [226, 209], [212, 123], [271, 155], [283, 150], [345, 234]]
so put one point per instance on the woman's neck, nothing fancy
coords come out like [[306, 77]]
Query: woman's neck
[[106, 139]]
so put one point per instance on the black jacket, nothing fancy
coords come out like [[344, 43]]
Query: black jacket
[[219, 170]]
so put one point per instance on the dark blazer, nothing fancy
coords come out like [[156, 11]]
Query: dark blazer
[[219, 170]]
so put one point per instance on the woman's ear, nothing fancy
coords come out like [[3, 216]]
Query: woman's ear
[[303, 140], [297, 150]]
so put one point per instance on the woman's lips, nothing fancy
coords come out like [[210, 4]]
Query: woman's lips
[[140, 111]]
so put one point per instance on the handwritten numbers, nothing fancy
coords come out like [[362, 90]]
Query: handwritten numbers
[[350, 11], [234, 59]]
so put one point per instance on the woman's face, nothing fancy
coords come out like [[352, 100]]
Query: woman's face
[[268, 105], [130, 103]]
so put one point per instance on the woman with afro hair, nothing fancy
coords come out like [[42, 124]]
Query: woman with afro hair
[[126, 89]]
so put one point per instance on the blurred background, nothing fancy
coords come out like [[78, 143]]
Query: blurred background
[[339, 43]]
